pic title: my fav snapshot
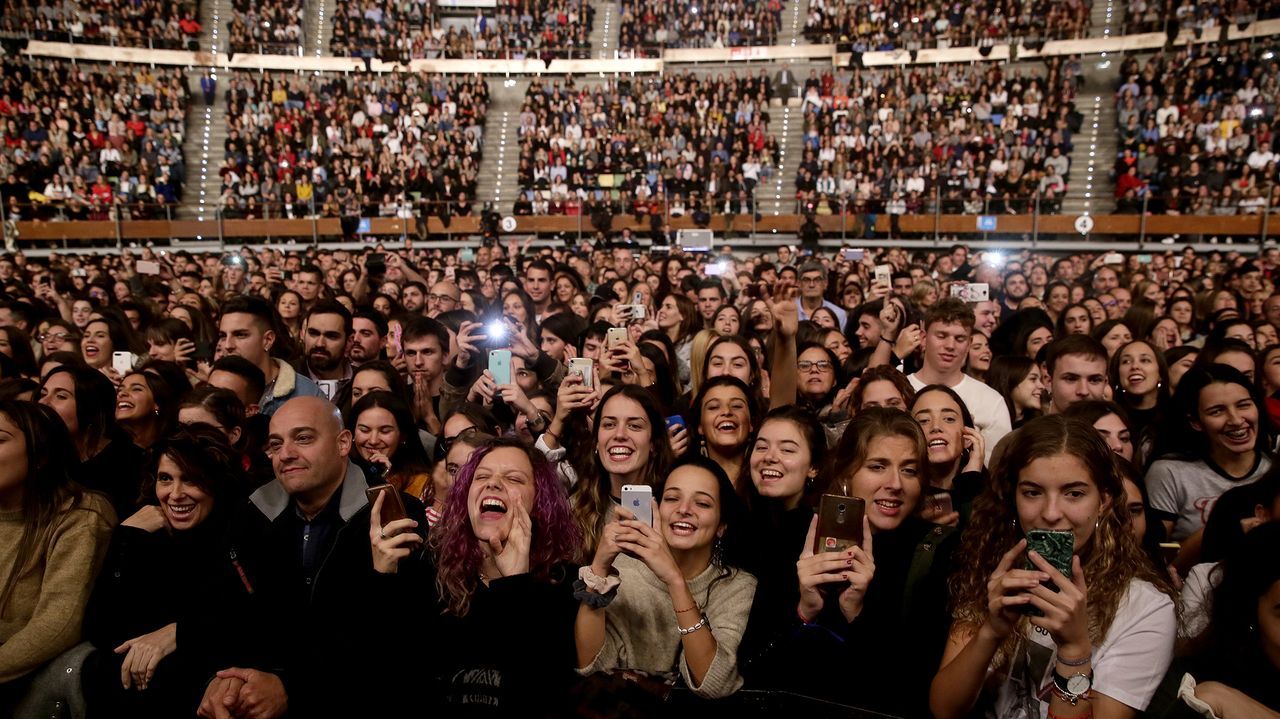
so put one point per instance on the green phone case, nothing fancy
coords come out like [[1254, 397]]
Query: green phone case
[[1057, 548]]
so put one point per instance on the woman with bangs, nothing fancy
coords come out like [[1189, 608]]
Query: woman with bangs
[[876, 611], [501, 553], [1095, 643]]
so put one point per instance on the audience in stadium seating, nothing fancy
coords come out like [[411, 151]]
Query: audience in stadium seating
[[649, 25], [915, 25], [138, 23], [272, 27]]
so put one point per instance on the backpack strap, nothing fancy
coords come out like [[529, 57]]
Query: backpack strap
[[921, 564]]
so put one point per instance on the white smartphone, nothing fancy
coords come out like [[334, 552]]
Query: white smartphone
[[884, 274], [638, 499], [1113, 258], [615, 337], [852, 255], [500, 366], [585, 368], [122, 362], [147, 267], [631, 312]]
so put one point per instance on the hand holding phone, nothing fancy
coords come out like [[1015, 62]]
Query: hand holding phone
[[500, 366], [638, 500], [391, 533], [1055, 547]]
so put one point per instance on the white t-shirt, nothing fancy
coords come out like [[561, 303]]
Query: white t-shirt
[[1127, 667], [990, 413], [1188, 490]]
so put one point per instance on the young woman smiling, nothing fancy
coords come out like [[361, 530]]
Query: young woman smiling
[[1220, 434], [153, 578], [889, 593], [1100, 643], [678, 317], [956, 451], [1019, 381], [671, 576], [632, 446], [1140, 384], [726, 417], [386, 444], [503, 549]]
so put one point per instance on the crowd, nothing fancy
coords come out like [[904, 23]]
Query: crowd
[[681, 143], [921, 24], [141, 23], [270, 27], [1196, 131], [514, 29], [647, 26], [336, 145], [980, 139], [587, 482], [1205, 18], [83, 141]]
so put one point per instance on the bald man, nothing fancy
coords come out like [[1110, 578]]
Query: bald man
[[300, 578]]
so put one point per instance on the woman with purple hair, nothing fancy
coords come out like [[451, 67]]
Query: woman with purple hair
[[502, 554]]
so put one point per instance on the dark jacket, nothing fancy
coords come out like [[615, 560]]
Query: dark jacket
[[148, 581], [116, 471], [887, 656], [331, 638]]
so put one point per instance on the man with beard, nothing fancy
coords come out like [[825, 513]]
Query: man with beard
[[1015, 290], [326, 333], [368, 336]]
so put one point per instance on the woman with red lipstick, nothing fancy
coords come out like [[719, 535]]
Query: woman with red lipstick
[[660, 599], [888, 594], [151, 582]]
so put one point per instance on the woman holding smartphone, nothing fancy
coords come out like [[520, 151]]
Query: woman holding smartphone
[[386, 444], [886, 593], [956, 451], [672, 575], [1100, 640], [632, 446], [501, 556]]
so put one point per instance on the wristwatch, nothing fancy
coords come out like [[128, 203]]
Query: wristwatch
[[538, 424], [1073, 688]]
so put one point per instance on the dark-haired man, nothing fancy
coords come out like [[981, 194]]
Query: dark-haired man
[[247, 329]]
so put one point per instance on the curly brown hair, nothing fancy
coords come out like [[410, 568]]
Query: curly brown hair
[[1111, 559]]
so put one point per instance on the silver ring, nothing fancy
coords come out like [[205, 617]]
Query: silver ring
[[382, 533]]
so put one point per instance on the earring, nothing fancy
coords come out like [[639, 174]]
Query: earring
[[717, 552]]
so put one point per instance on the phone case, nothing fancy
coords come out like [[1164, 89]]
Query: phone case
[[615, 336], [1057, 548], [839, 523], [392, 505], [500, 366], [585, 368], [637, 499]]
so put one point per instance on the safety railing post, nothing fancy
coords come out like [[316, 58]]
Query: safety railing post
[[1142, 221]]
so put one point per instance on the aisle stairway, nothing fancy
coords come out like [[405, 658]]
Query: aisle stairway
[[791, 33], [497, 181], [317, 27], [1091, 187], [777, 195], [604, 31], [206, 124]]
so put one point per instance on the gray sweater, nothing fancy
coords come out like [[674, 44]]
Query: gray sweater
[[642, 632]]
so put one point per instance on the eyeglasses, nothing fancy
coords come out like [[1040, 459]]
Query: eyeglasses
[[820, 365], [56, 336], [810, 280], [441, 298]]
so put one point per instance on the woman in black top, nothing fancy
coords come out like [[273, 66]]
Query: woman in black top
[[876, 614], [149, 594]]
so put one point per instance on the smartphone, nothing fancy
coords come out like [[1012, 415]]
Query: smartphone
[[615, 337], [717, 269], [940, 503], [755, 290], [839, 523], [147, 267], [397, 344], [1113, 258], [1169, 551], [884, 274], [978, 292], [638, 499], [849, 255], [632, 312], [450, 272], [1144, 259], [495, 332], [466, 255], [637, 298], [1057, 548], [122, 362], [585, 368], [500, 366], [232, 260], [392, 506], [675, 420]]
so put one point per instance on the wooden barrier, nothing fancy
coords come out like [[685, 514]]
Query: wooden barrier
[[1157, 226]]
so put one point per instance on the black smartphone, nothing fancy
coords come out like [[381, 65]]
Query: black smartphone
[[839, 523], [392, 507]]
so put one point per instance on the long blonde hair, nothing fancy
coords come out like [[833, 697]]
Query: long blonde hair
[[1110, 560]]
